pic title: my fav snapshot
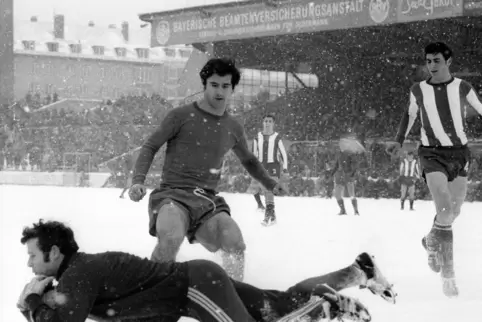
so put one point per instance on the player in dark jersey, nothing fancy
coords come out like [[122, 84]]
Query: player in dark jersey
[[345, 173], [198, 136], [409, 173], [441, 101], [117, 286], [269, 148]]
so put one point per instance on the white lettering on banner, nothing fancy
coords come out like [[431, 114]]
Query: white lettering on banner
[[273, 17], [429, 5], [194, 25]]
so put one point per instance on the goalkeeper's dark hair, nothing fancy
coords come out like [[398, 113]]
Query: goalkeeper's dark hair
[[221, 67], [49, 234]]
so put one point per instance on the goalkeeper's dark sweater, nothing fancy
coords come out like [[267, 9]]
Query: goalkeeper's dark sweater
[[113, 285]]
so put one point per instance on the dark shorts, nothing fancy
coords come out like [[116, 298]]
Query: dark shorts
[[200, 206], [452, 161], [344, 179], [407, 181]]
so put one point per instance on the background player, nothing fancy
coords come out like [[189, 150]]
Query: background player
[[269, 148], [409, 173], [100, 286], [444, 155], [186, 204], [344, 173], [127, 165]]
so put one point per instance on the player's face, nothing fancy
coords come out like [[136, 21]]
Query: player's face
[[437, 66], [218, 91], [36, 260], [410, 157], [268, 125]]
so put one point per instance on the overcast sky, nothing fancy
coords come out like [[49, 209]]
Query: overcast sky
[[110, 11]]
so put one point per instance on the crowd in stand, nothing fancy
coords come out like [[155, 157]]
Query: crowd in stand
[[369, 105], [54, 139]]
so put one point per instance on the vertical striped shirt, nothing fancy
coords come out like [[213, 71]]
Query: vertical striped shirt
[[442, 109], [270, 149], [409, 168]]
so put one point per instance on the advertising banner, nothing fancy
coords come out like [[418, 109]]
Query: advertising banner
[[473, 7], [260, 19], [416, 10]]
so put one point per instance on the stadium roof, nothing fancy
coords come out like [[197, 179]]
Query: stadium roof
[[226, 4], [274, 33], [110, 37]]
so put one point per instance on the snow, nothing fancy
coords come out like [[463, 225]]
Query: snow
[[308, 240]]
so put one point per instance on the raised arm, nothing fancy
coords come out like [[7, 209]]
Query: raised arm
[[167, 130]]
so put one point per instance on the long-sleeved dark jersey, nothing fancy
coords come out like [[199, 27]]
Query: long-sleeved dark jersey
[[111, 286], [197, 142]]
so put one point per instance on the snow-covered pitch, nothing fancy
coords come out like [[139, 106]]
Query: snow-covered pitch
[[309, 239]]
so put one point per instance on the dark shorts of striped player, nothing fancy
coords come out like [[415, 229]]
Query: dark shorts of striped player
[[452, 161], [343, 179], [407, 181]]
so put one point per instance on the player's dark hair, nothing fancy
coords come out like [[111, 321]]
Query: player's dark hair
[[221, 67], [410, 153], [49, 234], [269, 115], [438, 48]]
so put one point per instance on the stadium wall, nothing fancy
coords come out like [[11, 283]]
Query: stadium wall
[[64, 179]]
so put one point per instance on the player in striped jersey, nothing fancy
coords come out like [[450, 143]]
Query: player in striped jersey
[[268, 147], [441, 101], [409, 172]]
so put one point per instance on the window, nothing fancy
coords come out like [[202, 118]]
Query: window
[[170, 52], [85, 71], [165, 72], [185, 53], [144, 75], [173, 72], [71, 69], [49, 89], [36, 69], [171, 93], [142, 53], [83, 89], [34, 87], [103, 73], [53, 47], [98, 50], [47, 69], [120, 73], [117, 93], [120, 52], [103, 91], [28, 45], [75, 48]]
